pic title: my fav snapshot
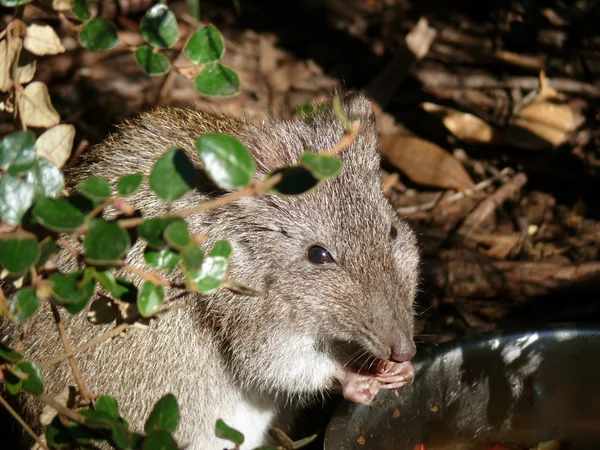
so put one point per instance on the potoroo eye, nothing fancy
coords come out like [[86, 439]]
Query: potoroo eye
[[319, 255], [393, 232]]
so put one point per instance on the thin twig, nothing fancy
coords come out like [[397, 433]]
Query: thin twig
[[153, 276], [254, 190], [346, 140], [109, 334], [68, 247], [63, 410], [458, 196], [19, 419], [83, 390]]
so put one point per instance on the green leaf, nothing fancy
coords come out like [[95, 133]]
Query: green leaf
[[18, 255], [47, 179], [13, 383], [81, 10], [224, 431], [58, 435], [57, 214], [173, 175], [209, 277], [126, 291], [159, 27], [109, 405], [34, 382], [164, 416], [106, 242], [24, 303], [68, 289], [150, 62], [152, 230], [160, 440], [177, 235], [150, 297], [98, 34], [307, 110], [226, 160], [321, 166], [95, 188], [217, 80], [129, 184], [9, 355], [105, 278], [48, 248], [193, 257], [14, 3], [161, 259], [194, 6], [221, 248], [296, 180], [16, 196], [205, 46], [17, 151], [125, 439]]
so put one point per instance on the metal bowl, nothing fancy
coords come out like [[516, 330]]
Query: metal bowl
[[519, 387]]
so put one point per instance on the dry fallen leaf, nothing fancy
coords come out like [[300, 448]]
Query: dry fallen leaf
[[424, 162], [7, 57], [26, 72], [420, 38], [465, 126], [543, 122], [42, 40], [62, 5], [56, 143], [35, 107]]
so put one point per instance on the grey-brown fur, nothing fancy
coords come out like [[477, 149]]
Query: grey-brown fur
[[251, 358]]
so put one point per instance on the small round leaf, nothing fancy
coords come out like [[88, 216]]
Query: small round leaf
[[217, 80], [160, 440], [109, 405], [150, 62], [57, 214], [106, 242], [47, 179], [223, 431], [159, 27], [173, 175], [161, 259], [296, 180], [98, 34], [221, 248], [16, 196], [18, 255], [95, 188], [205, 46], [129, 184], [150, 297], [71, 288], [9, 355], [17, 152], [177, 235], [24, 303], [193, 257], [209, 277], [34, 382], [226, 160], [164, 416], [321, 166], [81, 10], [152, 230]]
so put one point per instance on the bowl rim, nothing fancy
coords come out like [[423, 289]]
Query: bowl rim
[[335, 431]]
